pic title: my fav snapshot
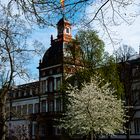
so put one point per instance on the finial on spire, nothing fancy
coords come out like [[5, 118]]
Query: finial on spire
[[51, 37], [62, 3]]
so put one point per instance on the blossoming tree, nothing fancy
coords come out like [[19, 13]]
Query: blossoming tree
[[93, 110]]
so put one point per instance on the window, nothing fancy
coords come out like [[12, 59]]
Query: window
[[44, 86], [57, 131], [50, 85], [19, 110], [24, 110], [58, 70], [42, 130], [22, 93], [50, 71], [36, 109], [67, 30], [30, 108], [25, 93], [43, 73], [136, 95], [51, 106], [19, 94], [16, 94], [137, 126], [58, 104], [35, 128], [31, 92], [135, 71], [58, 83], [36, 90], [43, 106]]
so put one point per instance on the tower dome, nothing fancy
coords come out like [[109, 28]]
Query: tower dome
[[54, 55]]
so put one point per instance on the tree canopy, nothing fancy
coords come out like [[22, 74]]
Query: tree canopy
[[94, 60], [93, 108], [92, 47]]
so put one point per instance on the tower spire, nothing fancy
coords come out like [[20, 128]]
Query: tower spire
[[64, 30]]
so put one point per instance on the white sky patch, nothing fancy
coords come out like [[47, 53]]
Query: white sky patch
[[126, 34], [123, 33], [130, 34]]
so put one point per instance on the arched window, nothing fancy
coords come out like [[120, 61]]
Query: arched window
[[67, 30]]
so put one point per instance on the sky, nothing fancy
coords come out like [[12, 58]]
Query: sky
[[125, 34], [126, 31]]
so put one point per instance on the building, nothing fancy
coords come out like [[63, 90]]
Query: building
[[130, 77], [131, 80], [35, 107]]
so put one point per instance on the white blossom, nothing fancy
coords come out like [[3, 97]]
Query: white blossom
[[94, 108]]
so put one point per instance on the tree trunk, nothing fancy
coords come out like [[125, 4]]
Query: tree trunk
[[93, 137], [3, 117]]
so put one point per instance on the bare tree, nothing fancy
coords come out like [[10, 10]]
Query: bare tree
[[96, 13], [14, 56], [42, 11], [124, 52]]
